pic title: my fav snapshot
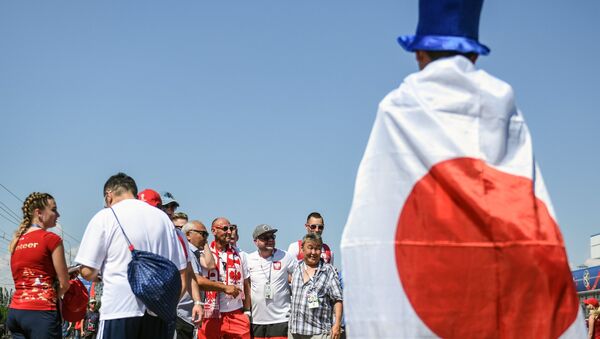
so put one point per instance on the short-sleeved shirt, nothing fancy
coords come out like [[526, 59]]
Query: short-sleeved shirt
[[104, 247], [186, 304], [326, 285], [273, 270], [33, 271]]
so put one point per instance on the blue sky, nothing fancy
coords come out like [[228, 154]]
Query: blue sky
[[260, 111]]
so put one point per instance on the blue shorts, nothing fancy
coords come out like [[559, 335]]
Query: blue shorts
[[143, 327], [34, 324]]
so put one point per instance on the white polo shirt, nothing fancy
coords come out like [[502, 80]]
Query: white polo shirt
[[274, 269], [104, 247]]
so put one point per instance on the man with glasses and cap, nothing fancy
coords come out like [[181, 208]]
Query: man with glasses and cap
[[228, 301], [314, 224], [270, 270]]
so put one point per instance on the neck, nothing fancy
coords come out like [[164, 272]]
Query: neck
[[119, 198], [36, 224], [221, 245], [265, 253], [311, 266]]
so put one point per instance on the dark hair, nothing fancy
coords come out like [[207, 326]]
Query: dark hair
[[434, 55], [314, 237], [120, 183], [315, 215]]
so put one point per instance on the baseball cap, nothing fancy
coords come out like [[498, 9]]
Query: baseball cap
[[168, 198], [75, 301], [592, 301], [262, 229], [151, 197]]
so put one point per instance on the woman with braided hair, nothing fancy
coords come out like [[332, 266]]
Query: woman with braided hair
[[39, 271]]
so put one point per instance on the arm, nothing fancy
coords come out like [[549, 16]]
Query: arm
[[89, 274], [209, 285], [207, 261], [60, 266], [336, 329], [591, 326], [185, 277], [198, 309], [247, 295]]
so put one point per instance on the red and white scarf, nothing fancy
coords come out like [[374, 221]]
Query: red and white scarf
[[231, 275]]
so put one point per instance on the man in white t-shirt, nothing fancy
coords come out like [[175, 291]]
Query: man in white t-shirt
[[314, 224], [270, 269], [104, 250], [226, 313]]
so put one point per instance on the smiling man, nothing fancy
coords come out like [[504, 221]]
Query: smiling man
[[226, 314], [314, 224], [270, 269]]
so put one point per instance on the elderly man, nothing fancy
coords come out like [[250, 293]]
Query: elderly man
[[228, 300], [270, 269], [105, 250], [314, 224]]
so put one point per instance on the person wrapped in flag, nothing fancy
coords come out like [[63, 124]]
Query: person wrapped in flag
[[451, 232]]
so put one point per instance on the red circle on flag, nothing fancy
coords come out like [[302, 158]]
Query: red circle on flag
[[480, 256]]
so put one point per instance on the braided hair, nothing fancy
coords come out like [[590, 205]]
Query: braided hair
[[33, 201]]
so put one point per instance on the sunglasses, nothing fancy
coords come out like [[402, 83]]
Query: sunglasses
[[203, 233], [266, 237], [314, 226], [227, 228]]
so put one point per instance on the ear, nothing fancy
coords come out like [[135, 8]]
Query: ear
[[422, 59]]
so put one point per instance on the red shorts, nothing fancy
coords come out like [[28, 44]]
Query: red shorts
[[231, 325]]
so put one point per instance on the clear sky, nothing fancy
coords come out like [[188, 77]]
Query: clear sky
[[260, 110]]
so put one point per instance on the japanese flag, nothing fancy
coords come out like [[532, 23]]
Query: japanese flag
[[451, 232]]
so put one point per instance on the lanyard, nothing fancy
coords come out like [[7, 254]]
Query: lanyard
[[270, 267]]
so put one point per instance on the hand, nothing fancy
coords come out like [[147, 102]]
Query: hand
[[197, 314], [232, 290], [336, 331]]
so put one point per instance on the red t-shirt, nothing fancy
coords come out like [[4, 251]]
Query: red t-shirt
[[33, 271]]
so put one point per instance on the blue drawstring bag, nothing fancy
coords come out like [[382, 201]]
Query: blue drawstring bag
[[155, 280]]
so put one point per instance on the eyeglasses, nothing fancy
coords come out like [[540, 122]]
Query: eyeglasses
[[227, 228], [203, 233], [314, 226], [266, 237]]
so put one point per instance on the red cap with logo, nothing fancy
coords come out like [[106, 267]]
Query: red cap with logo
[[592, 301], [151, 197]]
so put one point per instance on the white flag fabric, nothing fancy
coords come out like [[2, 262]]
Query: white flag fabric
[[451, 232]]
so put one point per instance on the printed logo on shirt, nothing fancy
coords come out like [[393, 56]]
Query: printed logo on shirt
[[27, 245], [277, 265]]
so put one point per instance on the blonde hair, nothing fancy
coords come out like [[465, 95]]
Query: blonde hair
[[33, 201]]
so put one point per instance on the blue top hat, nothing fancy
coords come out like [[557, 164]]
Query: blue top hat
[[447, 25]]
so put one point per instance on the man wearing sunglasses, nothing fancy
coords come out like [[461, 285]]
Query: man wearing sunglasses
[[226, 314], [314, 224], [269, 269]]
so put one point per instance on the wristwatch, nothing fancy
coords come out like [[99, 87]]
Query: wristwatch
[[198, 302]]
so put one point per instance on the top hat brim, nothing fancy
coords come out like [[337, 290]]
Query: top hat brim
[[413, 43]]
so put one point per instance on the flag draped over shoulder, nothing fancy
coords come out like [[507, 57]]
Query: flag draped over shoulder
[[451, 232]]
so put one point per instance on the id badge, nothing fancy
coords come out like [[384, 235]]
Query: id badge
[[268, 291], [313, 300]]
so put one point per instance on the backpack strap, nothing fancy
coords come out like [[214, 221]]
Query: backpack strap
[[131, 248]]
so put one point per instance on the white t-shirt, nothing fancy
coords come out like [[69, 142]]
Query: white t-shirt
[[294, 250], [274, 269], [104, 247], [228, 303]]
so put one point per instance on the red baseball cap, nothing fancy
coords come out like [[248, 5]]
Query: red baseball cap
[[75, 301], [592, 301], [151, 197]]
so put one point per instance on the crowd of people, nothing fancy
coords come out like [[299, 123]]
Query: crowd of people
[[224, 292]]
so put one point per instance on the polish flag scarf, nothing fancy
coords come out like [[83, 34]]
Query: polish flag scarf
[[228, 272], [451, 232]]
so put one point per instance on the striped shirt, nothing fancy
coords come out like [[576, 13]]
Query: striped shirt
[[325, 282]]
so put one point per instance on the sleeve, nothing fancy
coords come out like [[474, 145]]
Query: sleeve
[[184, 243], [245, 269], [293, 249], [178, 256], [291, 263], [52, 240], [335, 288], [94, 245], [194, 261]]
